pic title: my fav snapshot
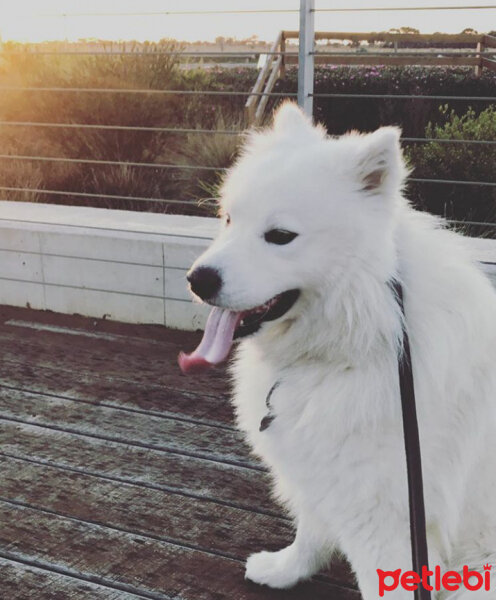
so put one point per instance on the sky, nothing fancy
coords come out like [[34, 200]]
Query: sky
[[41, 20]]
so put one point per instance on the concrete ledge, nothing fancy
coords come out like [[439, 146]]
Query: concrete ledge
[[121, 265]]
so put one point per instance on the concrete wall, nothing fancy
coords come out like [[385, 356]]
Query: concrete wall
[[124, 265], [127, 266]]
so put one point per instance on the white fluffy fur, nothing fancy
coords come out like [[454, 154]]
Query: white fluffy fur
[[336, 447]]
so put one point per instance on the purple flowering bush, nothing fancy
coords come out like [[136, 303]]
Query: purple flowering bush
[[366, 114]]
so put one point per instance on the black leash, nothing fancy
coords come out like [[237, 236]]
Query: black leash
[[418, 533]]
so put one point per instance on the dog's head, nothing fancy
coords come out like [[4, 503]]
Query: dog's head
[[299, 210]]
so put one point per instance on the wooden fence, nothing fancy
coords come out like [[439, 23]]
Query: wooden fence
[[481, 55]]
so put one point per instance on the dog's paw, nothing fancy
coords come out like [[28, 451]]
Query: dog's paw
[[274, 569]]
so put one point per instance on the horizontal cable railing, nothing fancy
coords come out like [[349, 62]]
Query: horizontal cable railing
[[246, 54], [404, 8], [206, 201], [448, 141], [278, 57], [138, 53], [407, 97], [451, 181], [242, 11], [91, 161], [186, 131], [265, 11], [246, 93], [15, 88], [402, 53], [474, 223], [219, 169], [178, 130]]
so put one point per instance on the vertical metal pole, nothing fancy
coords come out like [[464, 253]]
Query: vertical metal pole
[[305, 56]]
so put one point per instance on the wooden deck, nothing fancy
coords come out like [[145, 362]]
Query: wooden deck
[[121, 478]]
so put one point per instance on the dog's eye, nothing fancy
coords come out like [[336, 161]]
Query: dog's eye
[[279, 236], [227, 218]]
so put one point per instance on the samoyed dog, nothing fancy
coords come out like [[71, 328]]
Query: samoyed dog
[[315, 229]]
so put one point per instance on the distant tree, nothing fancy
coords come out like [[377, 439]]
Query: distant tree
[[470, 31], [404, 30]]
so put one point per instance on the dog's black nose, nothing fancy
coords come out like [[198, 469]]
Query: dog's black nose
[[205, 282]]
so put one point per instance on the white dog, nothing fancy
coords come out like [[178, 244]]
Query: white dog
[[315, 230]]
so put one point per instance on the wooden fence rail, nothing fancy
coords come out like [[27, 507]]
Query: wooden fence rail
[[275, 64]]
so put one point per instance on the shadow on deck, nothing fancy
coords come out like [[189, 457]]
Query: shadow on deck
[[122, 479]]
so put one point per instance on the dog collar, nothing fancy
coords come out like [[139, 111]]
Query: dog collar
[[270, 416]]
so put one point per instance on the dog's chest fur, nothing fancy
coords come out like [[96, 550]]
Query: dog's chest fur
[[334, 439]]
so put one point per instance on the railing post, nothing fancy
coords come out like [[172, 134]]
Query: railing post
[[480, 48], [282, 48], [306, 57]]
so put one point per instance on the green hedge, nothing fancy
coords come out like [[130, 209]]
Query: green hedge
[[366, 114], [458, 161]]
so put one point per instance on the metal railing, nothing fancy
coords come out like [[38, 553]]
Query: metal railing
[[264, 93]]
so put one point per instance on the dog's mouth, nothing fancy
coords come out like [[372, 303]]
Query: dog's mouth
[[224, 326]]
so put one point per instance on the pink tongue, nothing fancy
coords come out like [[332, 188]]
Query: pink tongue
[[216, 342]]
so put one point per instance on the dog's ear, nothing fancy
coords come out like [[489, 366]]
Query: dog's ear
[[380, 163], [289, 118]]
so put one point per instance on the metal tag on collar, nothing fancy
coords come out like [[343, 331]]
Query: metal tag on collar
[[269, 417]]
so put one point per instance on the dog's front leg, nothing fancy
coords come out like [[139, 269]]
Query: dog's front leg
[[309, 552]]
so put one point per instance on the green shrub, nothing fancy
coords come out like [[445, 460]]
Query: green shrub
[[460, 162]]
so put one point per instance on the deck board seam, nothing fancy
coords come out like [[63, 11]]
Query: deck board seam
[[114, 378], [157, 414], [151, 486], [101, 581], [136, 444], [134, 533]]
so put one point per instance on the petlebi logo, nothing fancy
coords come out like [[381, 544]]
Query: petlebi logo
[[450, 581]]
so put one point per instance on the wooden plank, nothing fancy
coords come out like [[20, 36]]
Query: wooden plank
[[125, 360], [146, 431], [154, 346], [184, 521], [282, 70], [181, 520], [489, 41], [274, 75], [363, 59], [85, 385], [488, 64], [479, 66], [392, 37], [239, 487], [135, 563], [23, 582], [254, 99], [137, 332]]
